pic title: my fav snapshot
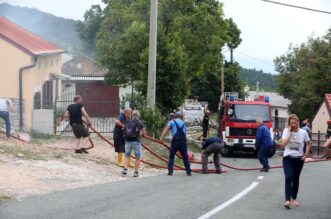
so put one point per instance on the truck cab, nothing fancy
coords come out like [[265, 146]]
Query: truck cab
[[237, 125]]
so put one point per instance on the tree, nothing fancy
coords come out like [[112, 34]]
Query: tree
[[87, 30], [234, 35], [305, 75], [232, 81], [186, 48], [251, 76]]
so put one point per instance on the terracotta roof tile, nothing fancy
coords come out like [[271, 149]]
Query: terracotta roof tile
[[328, 100], [82, 66], [25, 40]]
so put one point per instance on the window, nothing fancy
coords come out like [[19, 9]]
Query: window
[[37, 100], [47, 102], [249, 113]]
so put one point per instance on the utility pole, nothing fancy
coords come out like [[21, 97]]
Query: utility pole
[[222, 77], [151, 87]]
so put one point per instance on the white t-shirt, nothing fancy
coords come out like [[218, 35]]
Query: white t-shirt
[[294, 148]]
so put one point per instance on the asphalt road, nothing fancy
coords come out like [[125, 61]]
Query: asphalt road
[[181, 196]]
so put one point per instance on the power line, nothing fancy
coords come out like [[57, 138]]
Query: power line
[[252, 57], [295, 6]]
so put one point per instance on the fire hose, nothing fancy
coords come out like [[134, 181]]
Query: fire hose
[[163, 159], [152, 152], [65, 149], [226, 165]]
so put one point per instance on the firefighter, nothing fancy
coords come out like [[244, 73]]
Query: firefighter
[[263, 144], [205, 125], [178, 142]]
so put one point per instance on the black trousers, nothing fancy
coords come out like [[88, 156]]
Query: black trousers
[[292, 169]]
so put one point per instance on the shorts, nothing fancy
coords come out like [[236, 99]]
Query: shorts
[[133, 145], [119, 144], [80, 130]]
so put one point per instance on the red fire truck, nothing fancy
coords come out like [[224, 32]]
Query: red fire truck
[[238, 122]]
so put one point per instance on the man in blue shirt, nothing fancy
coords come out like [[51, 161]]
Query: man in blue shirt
[[263, 144], [212, 145], [178, 142]]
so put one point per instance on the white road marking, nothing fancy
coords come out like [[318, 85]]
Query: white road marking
[[229, 202], [260, 177]]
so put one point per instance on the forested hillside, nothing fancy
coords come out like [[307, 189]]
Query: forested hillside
[[57, 30], [251, 76]]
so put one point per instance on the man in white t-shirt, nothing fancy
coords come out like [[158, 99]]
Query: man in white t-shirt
[[6, 106]]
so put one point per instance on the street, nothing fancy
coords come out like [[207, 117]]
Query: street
[[236, 194]]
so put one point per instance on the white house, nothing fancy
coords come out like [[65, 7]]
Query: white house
[[323, 114], [278, 103]]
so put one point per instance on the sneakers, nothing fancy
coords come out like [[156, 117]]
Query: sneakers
[[170, 173], [80, 151], [83, 150], [125, 171], [188, 174]]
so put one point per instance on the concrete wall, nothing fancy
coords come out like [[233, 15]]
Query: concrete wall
[[319, 122], [14, 116], [42, 121], [11, 60]]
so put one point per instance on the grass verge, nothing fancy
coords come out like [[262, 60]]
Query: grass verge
[[4, 198], [21, 153]]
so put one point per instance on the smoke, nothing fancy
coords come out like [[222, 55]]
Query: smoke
[[59, 31]]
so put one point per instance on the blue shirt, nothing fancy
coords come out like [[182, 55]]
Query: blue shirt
[[118, 131], [263, 137], [173, 127], [211, 141]]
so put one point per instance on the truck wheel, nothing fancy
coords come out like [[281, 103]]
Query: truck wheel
[[226, 151]]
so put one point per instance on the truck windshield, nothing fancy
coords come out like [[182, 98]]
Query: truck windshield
[[249, 113]]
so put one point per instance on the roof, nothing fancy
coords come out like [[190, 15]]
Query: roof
[[82, 66], [328, 102], [25, 40], [276, 100]]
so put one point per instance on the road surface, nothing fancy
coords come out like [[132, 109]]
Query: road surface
[[236, 194]]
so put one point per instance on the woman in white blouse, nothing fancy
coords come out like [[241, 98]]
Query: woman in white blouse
[[294, 140]]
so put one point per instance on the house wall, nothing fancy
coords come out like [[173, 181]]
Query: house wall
[[282, 115], [319, 122], [33, 80], [11, 60]]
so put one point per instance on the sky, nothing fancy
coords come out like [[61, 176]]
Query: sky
[[267, 29]]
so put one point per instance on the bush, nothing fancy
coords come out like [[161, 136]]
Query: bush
[[153, 119]]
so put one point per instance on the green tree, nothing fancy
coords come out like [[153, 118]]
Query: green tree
[[186, 48], [251, 76], [87, 30], [234, 37], [305, 75], [232, 81]]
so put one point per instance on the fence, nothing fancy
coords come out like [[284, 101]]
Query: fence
[[318, 139], [98, 109]]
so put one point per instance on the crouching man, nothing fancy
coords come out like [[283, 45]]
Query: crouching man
[[212, 145]]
